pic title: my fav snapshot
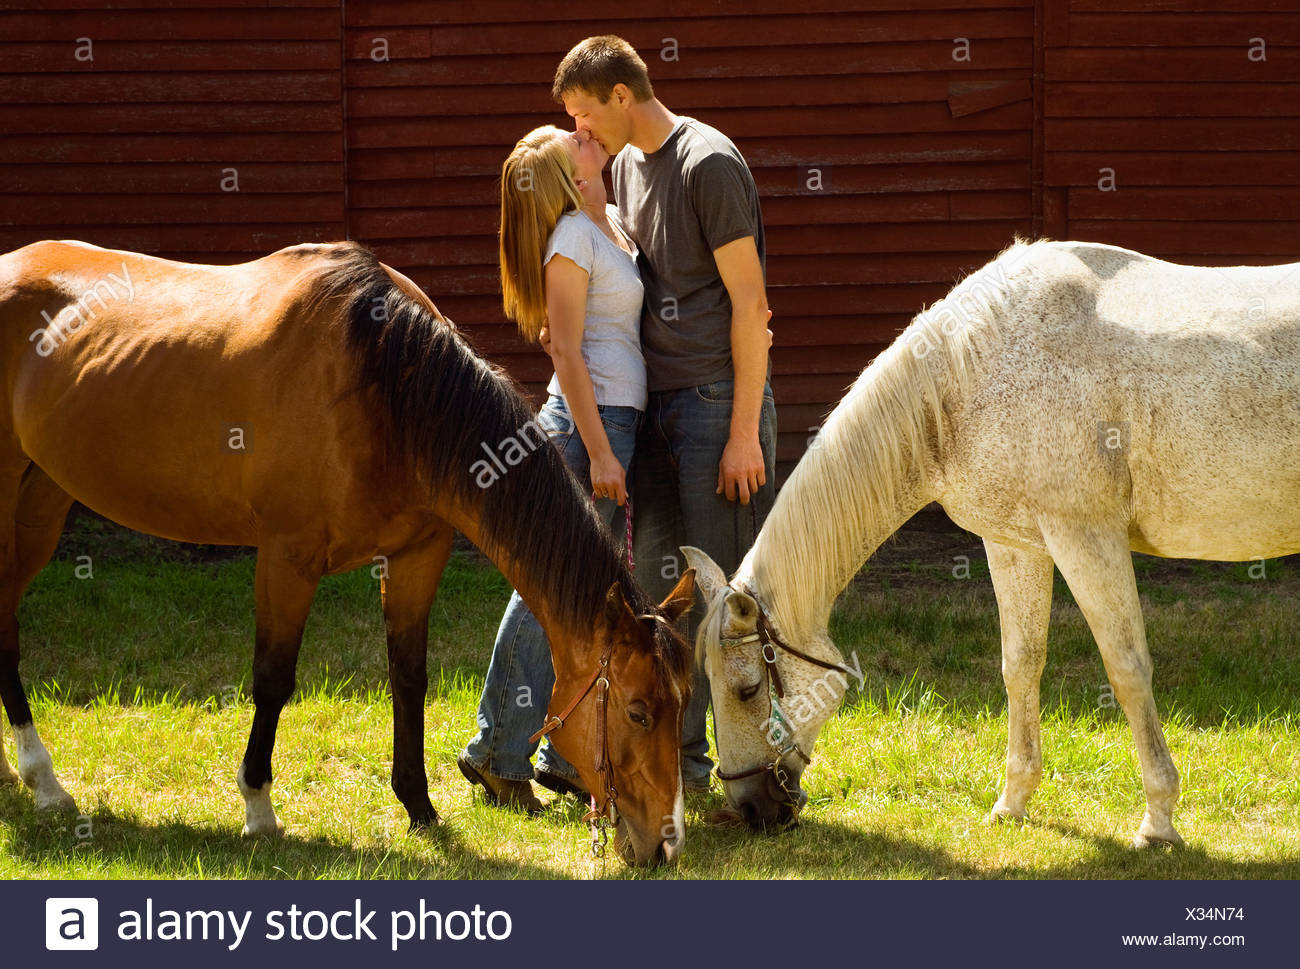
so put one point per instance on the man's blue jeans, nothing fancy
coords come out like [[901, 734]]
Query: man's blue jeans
[[675, 503], [521, 677]]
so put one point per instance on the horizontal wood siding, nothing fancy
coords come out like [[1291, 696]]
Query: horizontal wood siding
[[131, 149], [1173, 127], [925, 158]]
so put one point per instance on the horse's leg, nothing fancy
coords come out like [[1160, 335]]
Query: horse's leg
[[407, 591], [1098, 567], [37, 508], [1022, 581], [284, 593]]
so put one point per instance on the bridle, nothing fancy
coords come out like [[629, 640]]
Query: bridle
[[604, 812], [781, 734]]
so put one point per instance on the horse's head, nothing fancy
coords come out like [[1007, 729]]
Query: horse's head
[[625, 733], [770, 698]]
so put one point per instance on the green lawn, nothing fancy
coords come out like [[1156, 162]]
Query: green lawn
[[140, 676]]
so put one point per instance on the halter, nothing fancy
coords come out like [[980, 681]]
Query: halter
[[605, 811], [781, 735]]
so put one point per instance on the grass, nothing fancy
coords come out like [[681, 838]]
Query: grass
[[139, 677]]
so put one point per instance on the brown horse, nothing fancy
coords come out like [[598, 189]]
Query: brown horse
[[315, 404]]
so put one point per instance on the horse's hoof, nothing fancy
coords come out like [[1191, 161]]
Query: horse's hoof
[[56, 800], [1001, 814], [9, 776], [264, 830], [425, 824], [1151, 839]]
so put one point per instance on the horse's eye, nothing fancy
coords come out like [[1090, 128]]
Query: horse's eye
[[639, 715], [747, 693]]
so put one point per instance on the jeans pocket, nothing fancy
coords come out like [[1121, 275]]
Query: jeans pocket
[[623, 419], [718, 392]]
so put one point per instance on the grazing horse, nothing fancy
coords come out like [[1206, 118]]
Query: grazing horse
[[1070, 403], [314, 404]]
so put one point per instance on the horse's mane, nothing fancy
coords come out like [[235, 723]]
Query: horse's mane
[[441, 404], [882, 436]]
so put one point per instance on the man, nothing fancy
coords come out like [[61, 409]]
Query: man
[[704, 469]]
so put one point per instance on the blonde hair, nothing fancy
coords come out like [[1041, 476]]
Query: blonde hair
[[538, 185]]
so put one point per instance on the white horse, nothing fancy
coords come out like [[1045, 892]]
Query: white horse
[[1069, 402]]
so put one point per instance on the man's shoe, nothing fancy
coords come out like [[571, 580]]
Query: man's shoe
[[560, 785], [499, 792]]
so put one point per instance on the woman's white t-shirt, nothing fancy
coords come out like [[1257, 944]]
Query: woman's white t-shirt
[[611, 335]]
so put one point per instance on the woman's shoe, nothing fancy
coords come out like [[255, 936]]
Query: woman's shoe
[[499, 792], [560, 785]]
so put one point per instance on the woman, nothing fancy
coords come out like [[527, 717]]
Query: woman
[[566, 265]]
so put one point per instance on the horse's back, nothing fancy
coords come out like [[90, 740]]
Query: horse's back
[[135, 380], [1167, 396]]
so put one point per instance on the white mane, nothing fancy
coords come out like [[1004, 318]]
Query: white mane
[[844, 497]]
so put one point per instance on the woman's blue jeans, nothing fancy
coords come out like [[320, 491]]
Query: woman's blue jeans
[[521, 677]]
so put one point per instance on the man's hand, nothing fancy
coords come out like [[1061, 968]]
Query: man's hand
[[741, 471]]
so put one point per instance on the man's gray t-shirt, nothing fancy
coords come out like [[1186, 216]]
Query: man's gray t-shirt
[[680, 203]]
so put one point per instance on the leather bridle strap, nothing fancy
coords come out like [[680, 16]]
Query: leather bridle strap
[[557, 721], [770, 643]]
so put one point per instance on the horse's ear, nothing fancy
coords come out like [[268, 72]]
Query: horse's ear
[[742, 615], [708, 576], [617, 610], [681, 599]]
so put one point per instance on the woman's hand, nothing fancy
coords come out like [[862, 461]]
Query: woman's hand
[[608, 480]]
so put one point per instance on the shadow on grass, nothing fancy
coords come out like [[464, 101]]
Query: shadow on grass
[[119, 846], [818, 849], [814, 850]]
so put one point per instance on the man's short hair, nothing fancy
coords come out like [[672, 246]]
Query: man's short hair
[[597, 64]]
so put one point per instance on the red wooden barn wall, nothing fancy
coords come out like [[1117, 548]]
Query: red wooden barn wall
[[1171, 127], [130, 149], [939, 127]]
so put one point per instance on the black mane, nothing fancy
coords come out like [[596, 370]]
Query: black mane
[[443, 403]]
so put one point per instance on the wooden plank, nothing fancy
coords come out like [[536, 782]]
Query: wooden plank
[[612, 19], [222, 86], [1181, 6], [1172, 100], [257, 24], [226, 149], [1228, 64], [1218, 29], [694, 34], [157, 6], [234, 239], [85, 209], [785, 61], [1173, 134], [141, 56], [1176, 168], [970, 97], [1191, 204], [798, 240], [1263, 242], [130, 179], [190, 118]]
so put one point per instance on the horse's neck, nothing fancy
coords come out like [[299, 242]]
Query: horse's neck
[[530, 589], [865, 474]]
